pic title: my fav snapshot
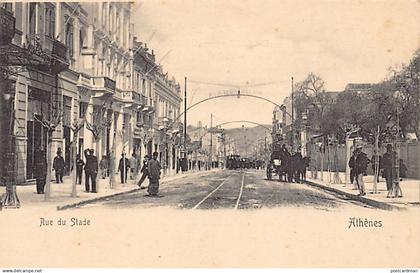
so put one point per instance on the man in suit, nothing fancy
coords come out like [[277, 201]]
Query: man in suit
[[352, 163], [123, 167], [144, 170], [361, 163], [40, 170], [58, 166], [79, 169], [388, 165], [91, 169]]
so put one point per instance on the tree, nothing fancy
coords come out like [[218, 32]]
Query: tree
[[75, 127], [98, 123], [50, 123], [311, 98], [407, 81]]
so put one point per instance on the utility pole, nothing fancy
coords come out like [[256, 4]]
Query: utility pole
[[185, 118], [224, 148], [293, 131], [211, 140]]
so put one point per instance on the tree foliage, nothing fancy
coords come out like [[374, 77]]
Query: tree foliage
[[391, 106]]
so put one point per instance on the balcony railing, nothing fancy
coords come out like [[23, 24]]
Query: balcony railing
[[133, 97], [103, 84], [59, 61], [7, 26]]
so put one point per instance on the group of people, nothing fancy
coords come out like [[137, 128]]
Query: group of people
[[151, 169], [292, 167], [387, 163]]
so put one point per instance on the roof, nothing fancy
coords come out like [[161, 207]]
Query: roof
[[358, 87]]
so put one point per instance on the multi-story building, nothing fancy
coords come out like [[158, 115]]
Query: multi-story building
[[102, 96], [157, 120]]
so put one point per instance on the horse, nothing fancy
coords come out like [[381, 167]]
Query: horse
[[299, 166]]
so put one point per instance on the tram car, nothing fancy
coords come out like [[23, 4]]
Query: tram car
[[233, 162]]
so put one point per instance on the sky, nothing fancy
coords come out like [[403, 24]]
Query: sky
[[258, 45]]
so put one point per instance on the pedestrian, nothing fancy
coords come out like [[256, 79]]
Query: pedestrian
[[91, 169], [103, 165], [123, 167], [351, 166], [403, 169], [361, 163], [58, 166], [40, 170], [133, 166], [144, 170], [388, 165], [154, 168], [79, 169]]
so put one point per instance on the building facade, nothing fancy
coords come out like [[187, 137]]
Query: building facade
[[157, 120], [103, 99]]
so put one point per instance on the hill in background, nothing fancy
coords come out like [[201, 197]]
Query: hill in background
[[246, 138]]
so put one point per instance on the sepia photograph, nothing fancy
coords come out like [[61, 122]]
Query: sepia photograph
[[210, 134]]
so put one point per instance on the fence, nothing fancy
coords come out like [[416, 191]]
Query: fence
[[409, 153]]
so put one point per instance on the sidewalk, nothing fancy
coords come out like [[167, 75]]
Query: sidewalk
[[410, 188], [61, 193]]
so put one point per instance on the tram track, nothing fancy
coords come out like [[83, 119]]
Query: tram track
[[238, 198]]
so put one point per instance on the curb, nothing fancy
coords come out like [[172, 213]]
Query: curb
[[92, 200], [95, 199], [370, 202]]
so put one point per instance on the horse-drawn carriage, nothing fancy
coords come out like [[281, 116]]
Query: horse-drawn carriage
[[290, 168]]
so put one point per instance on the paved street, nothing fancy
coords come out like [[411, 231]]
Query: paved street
[[229, 189]]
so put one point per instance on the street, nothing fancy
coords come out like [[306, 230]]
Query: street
[[229, 189]]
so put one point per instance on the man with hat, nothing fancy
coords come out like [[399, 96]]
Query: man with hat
[[360, 166], [91, 169], [40, 169], [352, 162], [144, 170], [123, 167], [388, 165], [58, 166]]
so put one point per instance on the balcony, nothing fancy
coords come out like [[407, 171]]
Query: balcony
[[59, 61], [7, 27], [148, 105], [103, 86], [132, 97]]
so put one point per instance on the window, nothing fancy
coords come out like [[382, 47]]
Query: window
[[32, 18], [143, 87], [67, 111], [110, 19], [82, 109], [82, 39], [49, 21], [7, 6], [139, 118], [69, 37], [118, 27]]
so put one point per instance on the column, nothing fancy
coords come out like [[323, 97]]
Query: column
[[87, 135], [99, 14], [24, 21], [119, 138], [76, 42], [58, 23]]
